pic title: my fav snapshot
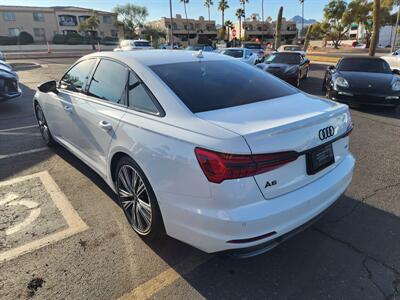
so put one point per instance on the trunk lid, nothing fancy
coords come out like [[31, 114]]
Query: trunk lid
[[289, 123]]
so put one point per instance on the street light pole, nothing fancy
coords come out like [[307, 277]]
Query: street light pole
[[263, 23], [302, 17], [171, 37], [394, 44]]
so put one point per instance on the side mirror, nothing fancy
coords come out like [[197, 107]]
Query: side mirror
[[394, 53], [331, 68], [396, 71], [49, 86]]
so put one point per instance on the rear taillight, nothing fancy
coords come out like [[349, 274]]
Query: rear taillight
[[222, 166]]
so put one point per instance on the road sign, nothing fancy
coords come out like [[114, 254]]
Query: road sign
[[234, 32]]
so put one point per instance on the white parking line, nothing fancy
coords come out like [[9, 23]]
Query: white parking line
[[74, 221], [17, 128], [23, 153]]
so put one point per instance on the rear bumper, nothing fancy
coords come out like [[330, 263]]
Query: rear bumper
[[210, 229]]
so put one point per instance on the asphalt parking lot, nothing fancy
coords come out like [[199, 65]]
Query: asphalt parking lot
[[63, 235]]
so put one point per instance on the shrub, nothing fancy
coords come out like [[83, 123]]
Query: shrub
[[8, 40], [74, 39], [25, 38], [59, 39], [109, 40]]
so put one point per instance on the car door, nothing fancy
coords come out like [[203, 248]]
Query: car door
[[59, 108], [99, 111]]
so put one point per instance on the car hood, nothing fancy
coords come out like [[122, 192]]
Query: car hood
[[281, 68], [370, 81]]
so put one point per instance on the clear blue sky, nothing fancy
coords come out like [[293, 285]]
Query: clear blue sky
[[160, 8]]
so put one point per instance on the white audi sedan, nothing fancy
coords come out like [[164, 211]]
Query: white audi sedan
[[201, 147]]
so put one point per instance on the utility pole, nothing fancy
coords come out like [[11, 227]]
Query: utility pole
[[302, 17], [263, 22], [394, 44], [171, 38]]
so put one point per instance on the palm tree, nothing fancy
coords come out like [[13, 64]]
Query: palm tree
[[229, 25], [222, 6], [208, 4], [187, 21], [375, 27], [243, 2], [240, 14]]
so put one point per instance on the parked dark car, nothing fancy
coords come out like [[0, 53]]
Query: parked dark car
[[363, 80], [289, 66], [9, 83]]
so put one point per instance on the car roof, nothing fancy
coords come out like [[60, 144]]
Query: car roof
[[158, 56], [361, 57]]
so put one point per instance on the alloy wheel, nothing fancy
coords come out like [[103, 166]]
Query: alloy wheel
[[43, 127], [135, 199]]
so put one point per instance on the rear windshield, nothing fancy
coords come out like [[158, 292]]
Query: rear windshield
[[284, 58], [364, 65], [210, 85], [233, 53], [142, 44], [252, 46]]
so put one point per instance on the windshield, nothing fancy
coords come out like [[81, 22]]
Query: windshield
[[364, 65], [233, 53], [195, 48], [252, 46], [210, 85], [284, 58], [142, 44], [292, 48]]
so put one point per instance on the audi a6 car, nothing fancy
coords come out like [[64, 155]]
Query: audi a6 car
[[9, 83], [288, 66], [363, 80], [197, 148]]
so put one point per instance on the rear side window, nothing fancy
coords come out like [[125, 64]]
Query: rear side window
[[76, 77], [140, 98], [109, 82], [210, 85]]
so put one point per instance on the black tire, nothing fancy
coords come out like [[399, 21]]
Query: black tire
[[324, 85], [397, 111], [156, 231], [43, 126], [305, 77]]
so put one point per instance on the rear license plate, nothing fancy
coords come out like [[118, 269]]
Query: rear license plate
[[319, 158]]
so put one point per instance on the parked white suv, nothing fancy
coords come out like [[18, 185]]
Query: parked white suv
[[128, 45]]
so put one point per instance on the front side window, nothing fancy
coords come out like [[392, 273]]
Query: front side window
[[234, 53], [76, 77], [142, 44], [38, 17], [210, 85], [8, 16], [109, 82], [140, 98]]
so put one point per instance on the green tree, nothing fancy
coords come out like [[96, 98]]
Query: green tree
[[154, 34], [131, 17], [243, 3], [336, 23], [187, 20], [376, 27], [229, 26], [278, 28], [208, 4], [89, 24], [222, 6], [359, 11], [240, 14]]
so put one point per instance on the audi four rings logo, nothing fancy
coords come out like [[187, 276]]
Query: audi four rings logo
[[326, 132]]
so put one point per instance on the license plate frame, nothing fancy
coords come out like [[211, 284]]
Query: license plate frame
[[319, 158]]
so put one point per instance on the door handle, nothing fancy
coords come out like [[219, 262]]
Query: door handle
[[105, 125], [68, 108]]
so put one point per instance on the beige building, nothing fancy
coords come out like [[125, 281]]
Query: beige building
[[44, 22], [199, 31], [253, 28]]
